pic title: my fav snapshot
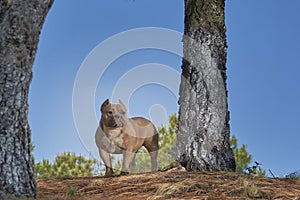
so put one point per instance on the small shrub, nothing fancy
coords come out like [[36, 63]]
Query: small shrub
[[256, 169], [71, 191], [294, 176], [65, 165]]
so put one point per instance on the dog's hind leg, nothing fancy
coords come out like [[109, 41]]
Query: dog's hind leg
[[151, 144], [153, 156], [152, 148]]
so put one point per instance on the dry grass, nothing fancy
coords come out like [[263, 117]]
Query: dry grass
[[171, 190], [171, 185], [97, 182], [248, 189]]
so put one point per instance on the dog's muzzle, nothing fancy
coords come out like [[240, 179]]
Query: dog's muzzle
[[117, 121]]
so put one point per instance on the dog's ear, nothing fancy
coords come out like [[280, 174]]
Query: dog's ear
[[104, 104], [122, 104]]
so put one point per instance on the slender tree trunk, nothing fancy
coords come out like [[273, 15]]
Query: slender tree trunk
[[203, 132], [20, 25]]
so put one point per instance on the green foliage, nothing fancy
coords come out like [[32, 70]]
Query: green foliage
[[256, 169], [71, 191], [43, 169], [243, 159], [167, 142], [241, 155], [294, 176], [65, 165]]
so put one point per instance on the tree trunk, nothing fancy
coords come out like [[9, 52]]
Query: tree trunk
[[20, 22], [203, 131]]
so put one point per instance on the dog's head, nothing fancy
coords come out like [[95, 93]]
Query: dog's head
[[113, 115]]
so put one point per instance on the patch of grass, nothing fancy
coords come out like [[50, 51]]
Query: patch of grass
[[72, 191], [171, 190], [294, 176], [249, 189], [97, 182]]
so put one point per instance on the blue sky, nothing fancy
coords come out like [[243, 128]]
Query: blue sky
[[263, 73]]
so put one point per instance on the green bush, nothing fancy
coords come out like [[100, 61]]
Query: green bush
[[243, 159], [241, 155], [65, 165]]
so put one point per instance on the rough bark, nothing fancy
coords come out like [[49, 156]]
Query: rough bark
[[20, 25], [203, 132]]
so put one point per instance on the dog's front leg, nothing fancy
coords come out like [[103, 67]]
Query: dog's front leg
[[127, 160], [133, 163], [105, 156]]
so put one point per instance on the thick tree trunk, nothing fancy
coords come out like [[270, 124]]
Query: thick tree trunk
[[203, 132], [20, 25]]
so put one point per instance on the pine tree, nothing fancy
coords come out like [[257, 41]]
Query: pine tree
[[241, 155], [65, 165], [203, 129], [21, 22]]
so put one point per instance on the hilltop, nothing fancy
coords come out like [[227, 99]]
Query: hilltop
[[170, 185]]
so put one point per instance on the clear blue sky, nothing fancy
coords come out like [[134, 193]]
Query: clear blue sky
[[263, 73]]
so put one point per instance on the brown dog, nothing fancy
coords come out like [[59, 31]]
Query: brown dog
[[118, 134]]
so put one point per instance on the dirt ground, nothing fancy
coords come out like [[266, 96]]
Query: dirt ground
[[170, 185]]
